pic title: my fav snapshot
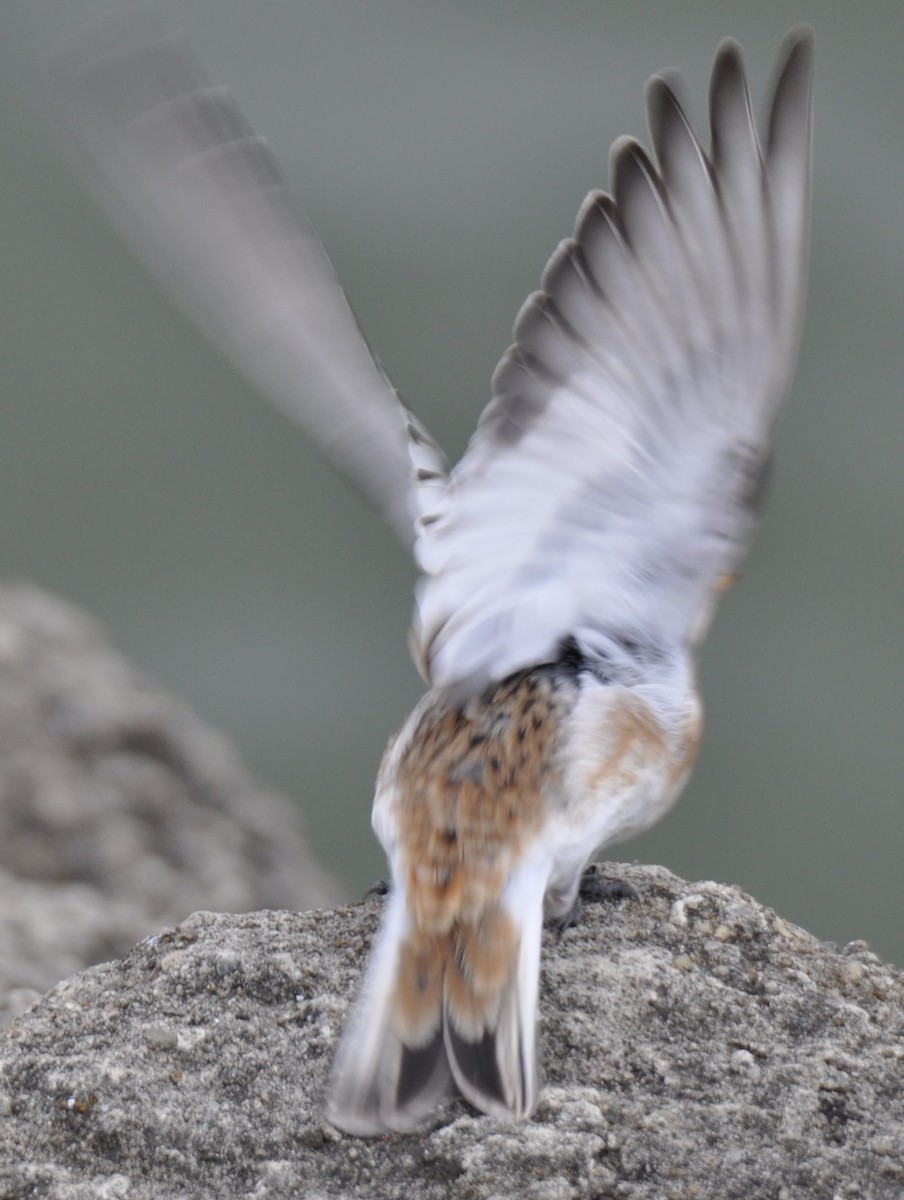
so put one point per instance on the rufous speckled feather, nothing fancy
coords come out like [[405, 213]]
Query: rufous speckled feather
[[572, 560]]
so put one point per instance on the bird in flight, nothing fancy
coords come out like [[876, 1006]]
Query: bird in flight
[[572, 560]]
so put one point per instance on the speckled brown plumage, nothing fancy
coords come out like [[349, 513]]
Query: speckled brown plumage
[[473, 783]]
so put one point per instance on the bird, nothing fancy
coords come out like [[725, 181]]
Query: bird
[[570, 563]]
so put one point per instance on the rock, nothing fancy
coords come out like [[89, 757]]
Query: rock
[[694, 1045], [120, 811], [48, 931]]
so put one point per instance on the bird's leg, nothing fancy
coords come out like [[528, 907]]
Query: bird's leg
[[595, 889]]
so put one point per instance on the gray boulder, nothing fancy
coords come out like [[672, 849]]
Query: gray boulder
[[120, 811], [694, 1045]]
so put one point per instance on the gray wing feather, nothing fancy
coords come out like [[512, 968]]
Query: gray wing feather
[[207, 205]]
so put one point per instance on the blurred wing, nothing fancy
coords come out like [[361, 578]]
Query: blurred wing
[[206, 204], [612, 480]]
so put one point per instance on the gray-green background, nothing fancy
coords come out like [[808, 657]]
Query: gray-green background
[[442, 149]]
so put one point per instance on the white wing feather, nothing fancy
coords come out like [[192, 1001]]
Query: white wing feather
[[206, 204], [611, 481]]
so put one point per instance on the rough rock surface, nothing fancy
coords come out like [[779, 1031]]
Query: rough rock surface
[[694, 1045], [48, 931], [120, 811]]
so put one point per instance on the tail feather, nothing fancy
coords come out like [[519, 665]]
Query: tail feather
[[459, 1006], [391, 1067], [480, 1078], [490, 1013]]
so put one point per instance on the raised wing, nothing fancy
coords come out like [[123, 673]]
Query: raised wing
[[612, 480], [207, 205]]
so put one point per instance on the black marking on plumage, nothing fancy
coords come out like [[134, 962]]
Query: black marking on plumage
[[419, 1069], [477, 1062], [570, 656]]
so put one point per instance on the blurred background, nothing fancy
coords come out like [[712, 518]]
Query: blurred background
[[441, 152]]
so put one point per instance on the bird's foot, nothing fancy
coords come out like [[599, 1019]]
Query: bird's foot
[[595, 889]]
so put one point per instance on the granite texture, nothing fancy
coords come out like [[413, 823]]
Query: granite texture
[[694, 1045]]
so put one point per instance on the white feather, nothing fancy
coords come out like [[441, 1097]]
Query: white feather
[[363, 1096]]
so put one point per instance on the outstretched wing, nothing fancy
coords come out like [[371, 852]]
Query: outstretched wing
[[206, 204], [612, 480]]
